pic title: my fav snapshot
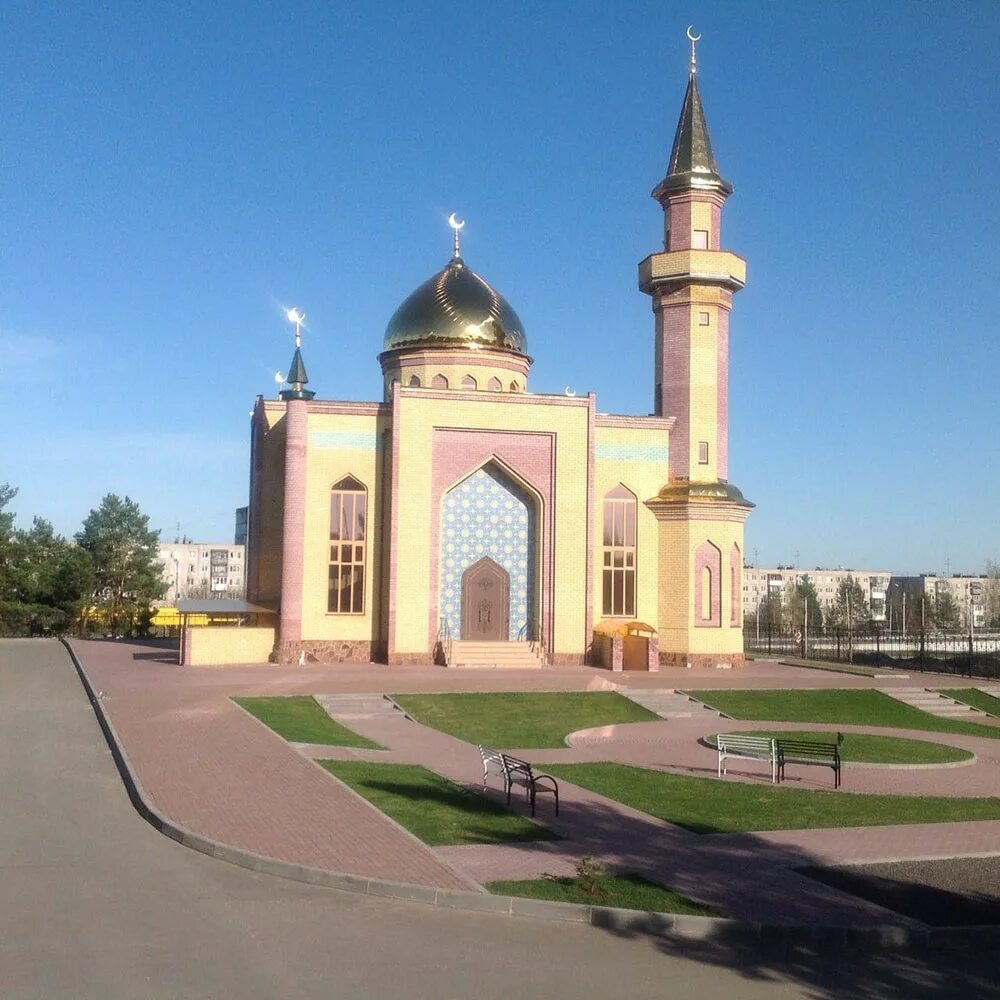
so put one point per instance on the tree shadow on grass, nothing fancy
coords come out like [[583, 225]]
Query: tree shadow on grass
[[757, 881], [466, 813]]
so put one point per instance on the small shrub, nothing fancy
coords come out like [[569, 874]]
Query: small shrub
[[590, 876]]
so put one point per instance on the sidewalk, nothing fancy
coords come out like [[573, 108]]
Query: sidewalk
[[212, 768]]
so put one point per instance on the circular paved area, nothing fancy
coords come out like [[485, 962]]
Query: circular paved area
[[675, 745]]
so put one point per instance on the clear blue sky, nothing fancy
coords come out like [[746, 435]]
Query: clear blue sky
[[170, 174]]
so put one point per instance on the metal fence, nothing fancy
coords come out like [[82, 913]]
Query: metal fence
[[977, 655]]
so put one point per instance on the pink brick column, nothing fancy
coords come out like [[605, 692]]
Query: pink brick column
[[293, 524]]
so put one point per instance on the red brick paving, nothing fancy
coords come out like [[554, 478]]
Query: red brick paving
[[211, 768]]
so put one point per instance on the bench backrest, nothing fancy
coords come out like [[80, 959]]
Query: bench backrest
[[737, 742], [515, 764], [808, 748], [491, 756]]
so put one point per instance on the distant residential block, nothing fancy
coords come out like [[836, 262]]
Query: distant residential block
[[203, 570], [780, 581]]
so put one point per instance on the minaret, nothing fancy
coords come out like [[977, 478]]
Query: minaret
[[294, 515], [691, 283]]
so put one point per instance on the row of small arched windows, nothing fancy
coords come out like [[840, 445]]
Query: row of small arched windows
[[468, 382]]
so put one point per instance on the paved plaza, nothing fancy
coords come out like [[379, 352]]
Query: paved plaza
[[95, 903], [213, 769]]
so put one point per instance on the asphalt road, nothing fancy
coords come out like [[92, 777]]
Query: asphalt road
[[95, 903]]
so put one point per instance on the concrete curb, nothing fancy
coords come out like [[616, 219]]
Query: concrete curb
[[717, 929]]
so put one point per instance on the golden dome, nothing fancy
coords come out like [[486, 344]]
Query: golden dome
[[456, 308]]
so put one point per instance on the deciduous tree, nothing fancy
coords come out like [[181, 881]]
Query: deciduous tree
[[850, 609]]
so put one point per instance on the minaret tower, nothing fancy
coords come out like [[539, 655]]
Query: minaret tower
[[294, 516], [701, 515]]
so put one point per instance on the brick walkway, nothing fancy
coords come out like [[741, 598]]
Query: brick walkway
[[212, 768]]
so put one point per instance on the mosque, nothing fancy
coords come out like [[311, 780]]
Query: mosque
[[469, 521]]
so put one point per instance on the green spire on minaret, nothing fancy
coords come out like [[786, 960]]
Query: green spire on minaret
[[692, 163], [296, 376]]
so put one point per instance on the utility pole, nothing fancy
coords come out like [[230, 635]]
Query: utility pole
[[903, 624]]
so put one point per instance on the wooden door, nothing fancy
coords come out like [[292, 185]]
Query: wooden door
[[635, 652], [486, 602]]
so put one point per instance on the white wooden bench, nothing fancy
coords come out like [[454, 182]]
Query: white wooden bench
[[492, 764], [747, 748]]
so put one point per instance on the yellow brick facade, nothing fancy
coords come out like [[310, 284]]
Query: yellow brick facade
[[459, 476]]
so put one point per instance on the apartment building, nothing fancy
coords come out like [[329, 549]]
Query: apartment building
[[968, 592], [202, 570], [780, 581]]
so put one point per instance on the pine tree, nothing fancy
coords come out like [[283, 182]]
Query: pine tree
[[125, 558]]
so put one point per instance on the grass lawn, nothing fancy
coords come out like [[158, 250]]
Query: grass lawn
[[433, 808], [708, 805], [977, 699], [521, 720], [630, 892], [860, 748], [301, 719], [839, 706]]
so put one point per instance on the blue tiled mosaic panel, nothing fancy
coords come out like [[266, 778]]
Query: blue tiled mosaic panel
[[487, 515]]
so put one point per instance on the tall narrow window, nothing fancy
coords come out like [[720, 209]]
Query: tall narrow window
[[699, 239], [735, 572], [707, 585], [619, 554], [348, 533], [414, 381]]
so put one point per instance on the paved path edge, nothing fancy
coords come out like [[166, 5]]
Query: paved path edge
[[717, 929]]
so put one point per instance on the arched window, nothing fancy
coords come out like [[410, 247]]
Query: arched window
[[495, 385], [514, 387], [348, 534], [414, 381], [439, 382], [707, 585], [619, 550], [469, 383], [736, 582]]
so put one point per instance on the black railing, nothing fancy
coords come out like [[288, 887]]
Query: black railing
[[872, 645]]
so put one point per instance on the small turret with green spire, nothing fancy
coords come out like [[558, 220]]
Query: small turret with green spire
[[297, 377]]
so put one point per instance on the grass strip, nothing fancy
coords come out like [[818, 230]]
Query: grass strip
[[977, 699], [708, 805], [846, 707], [861, 748], [629, 892], [520, 719], [435, 810], [301, 719]]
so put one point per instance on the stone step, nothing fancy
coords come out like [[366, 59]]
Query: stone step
[[472, 654], [933, 702], [359, 706], [668, 703]]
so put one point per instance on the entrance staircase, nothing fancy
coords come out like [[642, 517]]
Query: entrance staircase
[[934, 703], [469, 653], [670, 704]]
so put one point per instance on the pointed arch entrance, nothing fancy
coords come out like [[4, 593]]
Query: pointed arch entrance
[[488, 536]]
